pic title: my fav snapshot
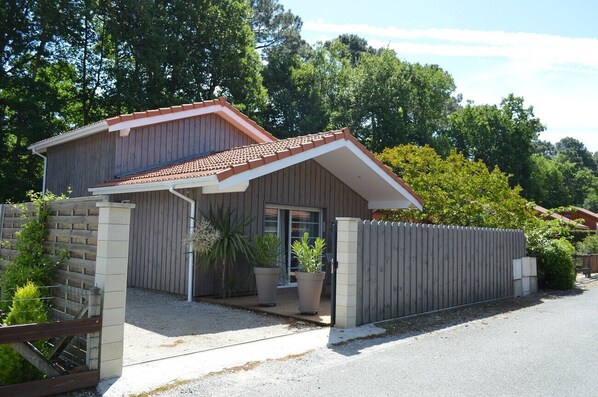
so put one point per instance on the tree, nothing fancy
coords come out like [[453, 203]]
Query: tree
[[391, 102], [33, 84], [273, 26], [305, 89], [576, 152], [455, 190], [547, 184], [70, 63], [356, 46], [499, 136], [164, 53]]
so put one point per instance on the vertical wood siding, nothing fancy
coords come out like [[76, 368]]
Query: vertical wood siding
[[160, 143], [81, 164], [88, 161], [407, 269], [159, 223]]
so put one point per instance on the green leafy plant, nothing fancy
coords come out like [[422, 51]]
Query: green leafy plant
[[266, 250], [589, 245], [27, 308], [309, 256], [548, 242], [32, 262], [231, 245]]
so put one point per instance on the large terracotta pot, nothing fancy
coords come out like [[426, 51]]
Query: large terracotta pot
[[266, 282], [309, 286]]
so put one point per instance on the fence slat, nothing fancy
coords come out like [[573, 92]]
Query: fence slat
[[406, 269], [31, 332]]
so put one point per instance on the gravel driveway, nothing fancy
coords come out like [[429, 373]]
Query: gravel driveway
[[160, 325]]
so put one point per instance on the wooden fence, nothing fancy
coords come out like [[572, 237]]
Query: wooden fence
[[75, 306], [406, 269], [588, 263]]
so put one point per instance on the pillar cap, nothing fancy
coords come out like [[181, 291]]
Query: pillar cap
[[108, 204]]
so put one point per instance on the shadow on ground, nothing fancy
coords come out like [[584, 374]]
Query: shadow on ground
[[407, 327]]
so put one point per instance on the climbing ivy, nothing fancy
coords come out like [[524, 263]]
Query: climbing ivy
[[32, 263]]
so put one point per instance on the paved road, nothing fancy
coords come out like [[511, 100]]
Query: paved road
[[550, 349]]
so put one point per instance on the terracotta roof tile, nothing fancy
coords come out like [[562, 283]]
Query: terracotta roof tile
[[229, 162]]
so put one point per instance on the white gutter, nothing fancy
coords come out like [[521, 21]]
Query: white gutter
[[188, 183], [70, 136], [191, 229], [45, 165]]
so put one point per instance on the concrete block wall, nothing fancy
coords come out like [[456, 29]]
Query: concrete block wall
[[525, 276], [111, 277], [346, 274]]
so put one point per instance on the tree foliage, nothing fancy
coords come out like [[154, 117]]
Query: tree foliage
[[455, 190], [500, 136], [69, 63], [563, 175]]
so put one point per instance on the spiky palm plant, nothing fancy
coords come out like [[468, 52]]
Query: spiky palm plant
[[232, 243]]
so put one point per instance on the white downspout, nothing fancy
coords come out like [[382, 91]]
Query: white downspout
[[191, 228], [45, 164]]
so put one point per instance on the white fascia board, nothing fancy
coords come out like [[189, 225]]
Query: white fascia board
[[387, 178], [226, 113], [91, 129], [241, 123], [213, 189], [280, 164], [162, 118], [155, 186], [395, 204]]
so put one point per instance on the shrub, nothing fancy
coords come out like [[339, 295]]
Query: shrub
[[549, 242], [266, 250], [556, 266], [589, 245], [31, 263], [27, 307]]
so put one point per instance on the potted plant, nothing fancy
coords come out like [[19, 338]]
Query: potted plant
[[228, 242], [266, 255], [310, 277]]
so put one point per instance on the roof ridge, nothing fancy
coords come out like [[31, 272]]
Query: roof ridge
[[110, 121]]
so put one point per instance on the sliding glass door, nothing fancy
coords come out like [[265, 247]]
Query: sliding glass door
[[289, 224]]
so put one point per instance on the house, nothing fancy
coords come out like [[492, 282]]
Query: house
[[590, 219], [174, 163], [549, 215]]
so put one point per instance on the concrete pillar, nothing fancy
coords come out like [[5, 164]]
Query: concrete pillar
[[346, 275], [112, 259]]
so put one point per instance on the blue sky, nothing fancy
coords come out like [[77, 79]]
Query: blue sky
[[545, 51]]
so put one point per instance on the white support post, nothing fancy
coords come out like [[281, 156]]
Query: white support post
[[111, 277], [346, 274]]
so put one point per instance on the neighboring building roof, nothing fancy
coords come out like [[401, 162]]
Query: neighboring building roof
[[587, 212], [553, 215], [231, 170], [125, 122]]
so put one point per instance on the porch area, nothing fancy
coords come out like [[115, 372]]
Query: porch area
[[286, 305]]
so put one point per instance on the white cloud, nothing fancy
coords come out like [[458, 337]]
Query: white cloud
[[557, 75], [551, 51]]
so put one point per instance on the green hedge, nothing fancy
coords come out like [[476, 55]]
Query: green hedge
[[555, 264]]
